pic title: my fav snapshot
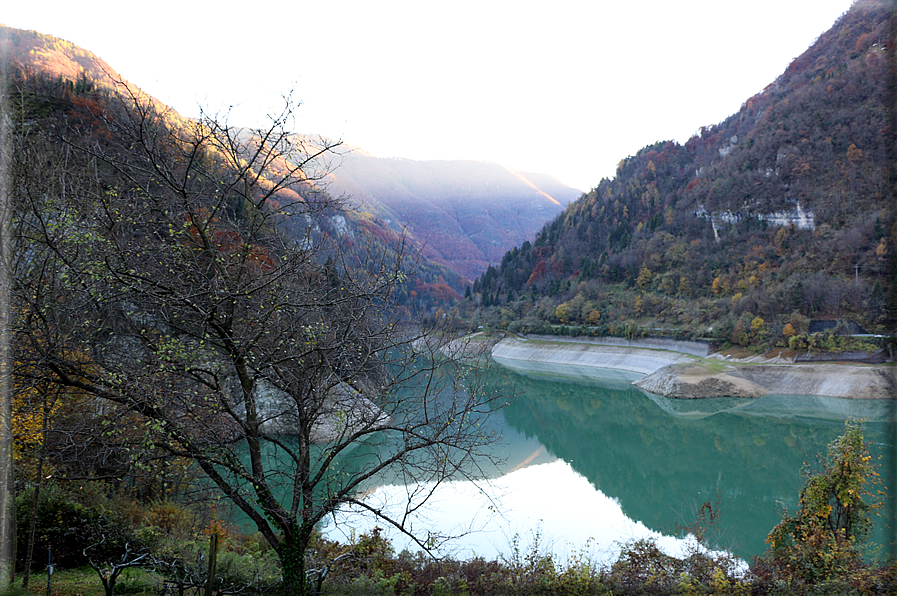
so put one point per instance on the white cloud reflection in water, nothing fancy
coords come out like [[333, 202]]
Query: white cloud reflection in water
[[548, 503]]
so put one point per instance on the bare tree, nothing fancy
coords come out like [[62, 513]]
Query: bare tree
[[109, 569], [195, 276]]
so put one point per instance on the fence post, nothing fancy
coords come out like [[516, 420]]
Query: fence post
[[49, 567], [213, 556]]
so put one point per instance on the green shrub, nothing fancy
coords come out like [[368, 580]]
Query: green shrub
[[68, 526], [642, 568]]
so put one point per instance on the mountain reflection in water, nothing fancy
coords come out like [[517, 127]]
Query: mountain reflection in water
[[638, 464]]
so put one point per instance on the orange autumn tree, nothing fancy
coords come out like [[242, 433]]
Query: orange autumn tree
[[821, 541]]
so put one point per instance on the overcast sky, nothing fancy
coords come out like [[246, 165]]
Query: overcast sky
[[561, 87]]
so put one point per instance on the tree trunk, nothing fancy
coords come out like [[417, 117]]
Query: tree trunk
[[292, 562], [213, 563]]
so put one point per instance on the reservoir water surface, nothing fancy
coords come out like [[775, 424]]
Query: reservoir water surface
[[592, 462]]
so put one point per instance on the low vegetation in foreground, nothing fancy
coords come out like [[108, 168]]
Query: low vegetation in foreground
[[99, 537]]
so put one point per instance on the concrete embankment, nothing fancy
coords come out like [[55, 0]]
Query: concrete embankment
[[530, 355], [694, 347], [678, 375]]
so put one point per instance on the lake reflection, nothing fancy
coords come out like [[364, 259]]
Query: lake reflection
[[548, 504], [635, 464]]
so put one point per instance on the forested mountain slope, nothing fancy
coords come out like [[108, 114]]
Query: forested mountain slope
[[465, 214], [779, 214], [462, 215], [54, 80]]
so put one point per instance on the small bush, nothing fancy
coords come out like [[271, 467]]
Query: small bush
[[68, 526]]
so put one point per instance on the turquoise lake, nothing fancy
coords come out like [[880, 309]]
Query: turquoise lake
[[592, 462]]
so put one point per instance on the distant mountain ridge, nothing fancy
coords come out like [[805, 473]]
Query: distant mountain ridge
[[465, 214]]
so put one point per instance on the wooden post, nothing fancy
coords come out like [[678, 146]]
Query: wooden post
[[49, 569], [213, 556]]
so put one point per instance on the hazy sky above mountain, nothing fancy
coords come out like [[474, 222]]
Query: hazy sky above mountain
[[564, 87]]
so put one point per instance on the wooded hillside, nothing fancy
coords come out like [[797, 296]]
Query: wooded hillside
[[55, 77], [780, 214]]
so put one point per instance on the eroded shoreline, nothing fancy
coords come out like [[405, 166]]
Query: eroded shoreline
[[686, 376]]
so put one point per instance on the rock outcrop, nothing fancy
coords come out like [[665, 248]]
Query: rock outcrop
[[693, 382]]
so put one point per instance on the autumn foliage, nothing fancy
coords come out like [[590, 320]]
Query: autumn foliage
[[781, 208]]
